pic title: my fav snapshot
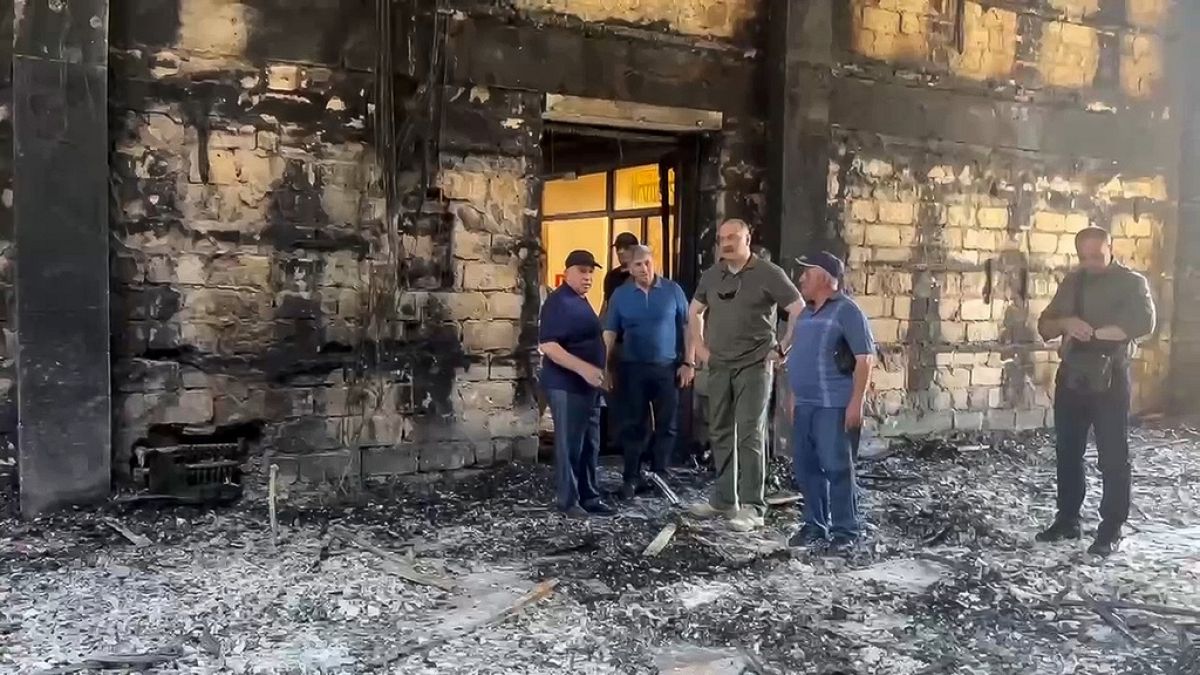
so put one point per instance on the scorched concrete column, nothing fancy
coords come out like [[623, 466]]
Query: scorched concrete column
[[60, 202], [800, 54]]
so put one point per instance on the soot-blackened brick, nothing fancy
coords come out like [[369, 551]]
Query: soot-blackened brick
[[329, 32]]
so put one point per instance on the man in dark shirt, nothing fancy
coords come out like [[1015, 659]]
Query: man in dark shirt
[[650, 314], [1100, 310], [615, 278], [618, 275], [573, 376]]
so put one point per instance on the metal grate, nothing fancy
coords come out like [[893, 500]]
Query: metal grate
[[199, 470]]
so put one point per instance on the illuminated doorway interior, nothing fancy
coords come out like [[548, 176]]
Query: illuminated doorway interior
[[588, 211]]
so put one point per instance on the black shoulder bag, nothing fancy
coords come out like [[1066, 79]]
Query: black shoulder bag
[[843, 357], [1086, 368]]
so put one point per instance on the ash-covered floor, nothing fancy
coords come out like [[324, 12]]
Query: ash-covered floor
[[950, 583]]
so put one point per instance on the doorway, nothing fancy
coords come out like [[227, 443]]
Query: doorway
[[599, 183]]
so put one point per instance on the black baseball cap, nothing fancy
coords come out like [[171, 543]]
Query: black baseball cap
[[625, 240], [826, 261], [582, 259]]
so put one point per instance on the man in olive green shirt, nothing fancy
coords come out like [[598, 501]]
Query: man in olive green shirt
[[732, 318], [1100, 310]]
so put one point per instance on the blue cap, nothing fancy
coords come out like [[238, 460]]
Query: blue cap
[[826, 261]]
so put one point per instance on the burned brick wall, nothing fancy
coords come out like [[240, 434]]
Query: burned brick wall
[[501, 62], [967, 143], [279, 273], [719, 19], [325, 215], [703, 55]]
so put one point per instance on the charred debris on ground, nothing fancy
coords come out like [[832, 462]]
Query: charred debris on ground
[[478, 575]]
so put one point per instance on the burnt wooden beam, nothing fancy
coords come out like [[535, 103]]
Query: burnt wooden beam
[[625, 115], [60, 202]]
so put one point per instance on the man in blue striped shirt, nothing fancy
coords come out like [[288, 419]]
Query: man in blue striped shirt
[[828, 368]]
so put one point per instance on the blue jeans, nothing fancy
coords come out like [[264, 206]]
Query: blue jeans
[[825, 470], [576, 447], [642, 387]]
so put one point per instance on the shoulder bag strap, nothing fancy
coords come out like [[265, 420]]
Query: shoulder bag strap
[[1079, 278]]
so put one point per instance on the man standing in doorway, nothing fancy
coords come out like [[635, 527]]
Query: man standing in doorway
[[618, 275], [650, 316], [732, 318], [828, 372], [1100, 310], [615, 278], [573, 376]]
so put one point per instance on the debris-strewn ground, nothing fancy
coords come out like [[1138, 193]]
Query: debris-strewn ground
[[950, 582]]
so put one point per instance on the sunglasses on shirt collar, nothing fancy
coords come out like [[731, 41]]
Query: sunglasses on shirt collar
[[727, 293]]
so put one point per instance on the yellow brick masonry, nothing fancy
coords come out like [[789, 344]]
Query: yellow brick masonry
[[886, 229], [1066, 49]]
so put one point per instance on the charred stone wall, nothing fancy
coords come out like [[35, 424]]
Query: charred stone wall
[[704, 55], [325, 214], [967, 143], [280, 274]]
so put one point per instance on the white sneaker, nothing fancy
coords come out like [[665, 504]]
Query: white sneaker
[[705, 510], [746, 521]]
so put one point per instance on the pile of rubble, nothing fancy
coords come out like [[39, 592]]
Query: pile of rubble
[[480, 576]]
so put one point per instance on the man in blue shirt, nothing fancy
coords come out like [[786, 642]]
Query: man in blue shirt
[[572, 347], [828, 368], [649, 315]]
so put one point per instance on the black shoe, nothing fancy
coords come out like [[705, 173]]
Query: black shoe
[[841, 544], [598, 508], [628, 491], [1108, 541], [575, 512], [807, 537], [1058, 531]]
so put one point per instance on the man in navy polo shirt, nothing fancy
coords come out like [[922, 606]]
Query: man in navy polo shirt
[[571, 343], [649, 314], [828, 369]]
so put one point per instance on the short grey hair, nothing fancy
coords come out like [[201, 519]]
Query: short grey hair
[[737, 222], [640, 251]]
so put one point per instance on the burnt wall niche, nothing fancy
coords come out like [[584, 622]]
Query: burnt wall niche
[[963, 145]]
